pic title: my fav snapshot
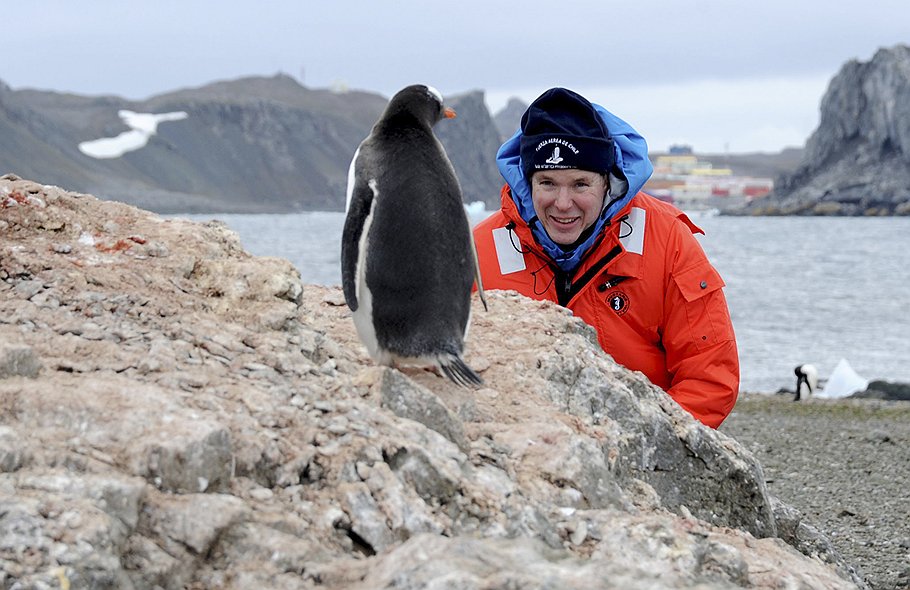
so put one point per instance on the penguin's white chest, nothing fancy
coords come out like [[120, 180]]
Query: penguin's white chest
[[363, 317]]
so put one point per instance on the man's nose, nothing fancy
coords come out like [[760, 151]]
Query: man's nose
[[564, 198]]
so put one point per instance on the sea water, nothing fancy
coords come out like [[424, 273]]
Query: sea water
[[800, 289]]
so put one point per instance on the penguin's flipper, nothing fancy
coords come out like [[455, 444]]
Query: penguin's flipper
[[352, 176], [477, 279], [458, 371], [359, 205]]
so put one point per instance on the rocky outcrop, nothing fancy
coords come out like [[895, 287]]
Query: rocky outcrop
[[857, 162], [879, 389], [471, 141], [249, 145], [509, 118], [177, 413]]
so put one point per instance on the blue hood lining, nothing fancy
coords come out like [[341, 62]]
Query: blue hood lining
[[632, 166]]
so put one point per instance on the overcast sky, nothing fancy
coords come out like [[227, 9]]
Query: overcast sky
[[719, 75]]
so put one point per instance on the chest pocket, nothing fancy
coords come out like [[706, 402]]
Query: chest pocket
[[705, 305]]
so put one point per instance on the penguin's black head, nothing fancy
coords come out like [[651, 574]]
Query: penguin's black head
[[425, 103]]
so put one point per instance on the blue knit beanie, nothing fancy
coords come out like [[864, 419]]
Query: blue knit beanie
[[561, 130]]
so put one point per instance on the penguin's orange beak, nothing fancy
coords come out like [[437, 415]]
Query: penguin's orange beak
[[449, 113]]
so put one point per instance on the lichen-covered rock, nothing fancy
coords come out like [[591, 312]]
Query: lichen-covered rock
[[200, 419]]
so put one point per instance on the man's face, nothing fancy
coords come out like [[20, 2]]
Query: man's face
[[567, 202]]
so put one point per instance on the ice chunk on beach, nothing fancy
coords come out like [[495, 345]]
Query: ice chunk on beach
[[843, 382]]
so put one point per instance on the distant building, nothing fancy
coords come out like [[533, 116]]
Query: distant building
[[675, 164], [680, 150], [708, 169], [681, 178]]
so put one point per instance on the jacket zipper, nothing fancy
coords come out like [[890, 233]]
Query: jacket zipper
[[566, 289], [563, 287]]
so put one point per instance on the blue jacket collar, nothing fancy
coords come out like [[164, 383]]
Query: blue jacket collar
[[631, 161]]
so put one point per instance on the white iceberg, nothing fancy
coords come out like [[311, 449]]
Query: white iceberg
[[843, 382]]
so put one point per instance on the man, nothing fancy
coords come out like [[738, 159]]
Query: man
[[575, 229]]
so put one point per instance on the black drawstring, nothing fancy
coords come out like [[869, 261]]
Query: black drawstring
[[510, 226], [624, 220], [512, 239], [547, 286]]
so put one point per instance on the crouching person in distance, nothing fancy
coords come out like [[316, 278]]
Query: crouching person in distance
[[575, 229]]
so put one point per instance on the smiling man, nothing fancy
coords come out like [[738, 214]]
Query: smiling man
[[575, 229], [567, 201]]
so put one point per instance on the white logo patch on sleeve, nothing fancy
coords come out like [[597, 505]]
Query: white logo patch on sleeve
[[632, 231], [507, 252]]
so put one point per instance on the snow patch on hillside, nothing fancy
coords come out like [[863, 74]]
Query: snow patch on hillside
[[142, 127]]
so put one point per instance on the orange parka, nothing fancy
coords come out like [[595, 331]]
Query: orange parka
[[647, 288]]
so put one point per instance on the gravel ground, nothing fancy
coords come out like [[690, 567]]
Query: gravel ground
[[845, 464]]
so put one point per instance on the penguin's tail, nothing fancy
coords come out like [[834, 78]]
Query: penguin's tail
[[458, 371]]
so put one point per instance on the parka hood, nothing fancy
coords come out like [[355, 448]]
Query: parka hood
[[629, 174]]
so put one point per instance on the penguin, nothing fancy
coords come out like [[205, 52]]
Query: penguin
[[407, 252], [806, 375]]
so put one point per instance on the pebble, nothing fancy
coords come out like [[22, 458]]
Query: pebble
[[324, 405], [328, 367], [71, 519], [28, 288], [261, 494], [337, 425], [879, 437], [580, 533], [156, 250]]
